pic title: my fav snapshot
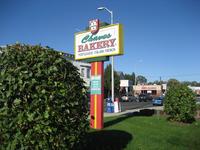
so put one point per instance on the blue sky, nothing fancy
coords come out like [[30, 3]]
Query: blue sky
[[161, 37]]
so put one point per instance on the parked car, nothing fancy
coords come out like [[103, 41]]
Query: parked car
[[144, 97], [128, 98], [158, 101]]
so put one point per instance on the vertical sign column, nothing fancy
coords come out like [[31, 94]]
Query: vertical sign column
[[97, 95]]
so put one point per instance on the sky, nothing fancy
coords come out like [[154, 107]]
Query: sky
[[161, 37]]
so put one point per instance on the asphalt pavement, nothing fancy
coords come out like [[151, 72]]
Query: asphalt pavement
[[130, 107], [131, 111], [135, 105]]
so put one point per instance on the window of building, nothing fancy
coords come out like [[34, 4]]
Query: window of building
[[144, 91], [82, 72], [88, 72], [154, 92]]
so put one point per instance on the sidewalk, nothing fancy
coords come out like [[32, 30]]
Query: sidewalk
[[131, 111]]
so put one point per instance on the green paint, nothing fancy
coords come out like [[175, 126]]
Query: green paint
[[89, 60], [96, 84], [91, 38]]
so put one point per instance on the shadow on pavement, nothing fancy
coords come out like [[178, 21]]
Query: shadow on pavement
[[106, 140], [142, 112]]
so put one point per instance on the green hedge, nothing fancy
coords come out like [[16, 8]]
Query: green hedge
[[180, 103], [198, 106], [42, 100]]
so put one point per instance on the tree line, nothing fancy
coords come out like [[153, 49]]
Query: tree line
[[139, 79], [117, 77]]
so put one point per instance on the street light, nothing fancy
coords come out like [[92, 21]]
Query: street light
[[112, 57], [111, 13]]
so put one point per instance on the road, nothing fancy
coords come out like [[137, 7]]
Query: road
[[138, 105], [135, 105]]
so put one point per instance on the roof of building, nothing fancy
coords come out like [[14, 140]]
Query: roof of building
[[194, 87]]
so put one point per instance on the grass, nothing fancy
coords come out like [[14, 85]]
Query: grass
[[144, 133]]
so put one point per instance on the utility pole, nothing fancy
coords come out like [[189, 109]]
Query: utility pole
[[160, 80]]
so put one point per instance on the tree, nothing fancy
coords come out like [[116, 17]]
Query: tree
[[194, 83], [180, 103], [157, 82], [187, 83], [191, 83], [130, 77], [172, 83], [43, 102], [117, 84], [121, 75], [107, 82], [141, 79]]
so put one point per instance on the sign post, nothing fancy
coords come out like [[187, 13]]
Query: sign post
[[94, 46], [97, 95]]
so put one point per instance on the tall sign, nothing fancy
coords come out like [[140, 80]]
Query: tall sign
[[93, 44]]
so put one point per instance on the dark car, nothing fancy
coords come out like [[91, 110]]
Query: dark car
[[158, 101], [145, 97], [128, 98]]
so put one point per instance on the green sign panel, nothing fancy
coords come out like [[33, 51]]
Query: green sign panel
[[96, 84]]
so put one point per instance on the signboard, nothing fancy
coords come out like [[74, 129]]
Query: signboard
[[94, 26], [148, 88], [125, 83], [105, 41], [95, 84]]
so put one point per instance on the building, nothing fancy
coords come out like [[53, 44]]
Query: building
[[83, 67], [126, 86], [154, 90], [195, 89]]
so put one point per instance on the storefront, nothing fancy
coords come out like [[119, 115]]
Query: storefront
[[195, 89], [154, 90], [126, 86]]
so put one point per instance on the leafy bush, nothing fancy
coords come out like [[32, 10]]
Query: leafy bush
[[42, 100], [180, 103], [198, 106]]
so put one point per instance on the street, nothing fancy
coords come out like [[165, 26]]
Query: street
[[135, 105]]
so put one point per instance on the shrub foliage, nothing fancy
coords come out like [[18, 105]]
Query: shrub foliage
[[180, 103], [42, 99]]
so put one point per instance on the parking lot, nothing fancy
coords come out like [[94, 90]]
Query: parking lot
[[138, 105], [133, 105]]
